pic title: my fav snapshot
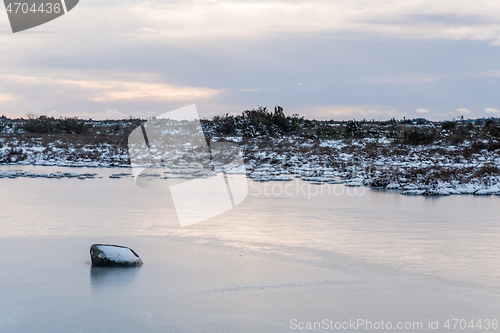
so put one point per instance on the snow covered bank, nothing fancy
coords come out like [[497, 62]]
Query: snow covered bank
[[416, 158]]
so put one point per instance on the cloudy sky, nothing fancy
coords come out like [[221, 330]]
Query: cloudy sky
[[324, 59]]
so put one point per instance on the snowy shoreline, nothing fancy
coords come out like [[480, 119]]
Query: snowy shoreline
[[314, 174], [414, 157]]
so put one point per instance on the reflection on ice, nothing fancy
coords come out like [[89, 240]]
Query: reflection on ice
[[116, 276]]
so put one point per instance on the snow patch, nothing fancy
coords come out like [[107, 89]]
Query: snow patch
[[118, 254]]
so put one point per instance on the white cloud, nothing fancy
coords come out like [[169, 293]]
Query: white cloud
[[421, 110], [413, 19], [151, 92], [6, 98], [463, 111], [103, 90], [491, 110]]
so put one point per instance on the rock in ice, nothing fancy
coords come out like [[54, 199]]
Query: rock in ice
[[104, 255]]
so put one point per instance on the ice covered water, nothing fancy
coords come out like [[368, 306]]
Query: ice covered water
[[381, 253], [455, 237]]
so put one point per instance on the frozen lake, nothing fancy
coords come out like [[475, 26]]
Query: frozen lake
[[289, 251]]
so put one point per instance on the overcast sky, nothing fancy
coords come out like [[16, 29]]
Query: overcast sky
[[324, 59]]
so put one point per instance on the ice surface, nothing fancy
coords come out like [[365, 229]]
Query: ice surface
[[341, 256], [206, 288]]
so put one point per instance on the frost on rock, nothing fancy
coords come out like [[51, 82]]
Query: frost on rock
[[104, 255]]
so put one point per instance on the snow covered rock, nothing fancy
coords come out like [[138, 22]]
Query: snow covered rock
[[413, 192], [318, 179], [488, 191], [436, 192], [105, 255], [280, 179], [467, 189], [261, 179]]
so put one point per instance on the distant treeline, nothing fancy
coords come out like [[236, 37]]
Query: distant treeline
[[262, 122], [66, 125]]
